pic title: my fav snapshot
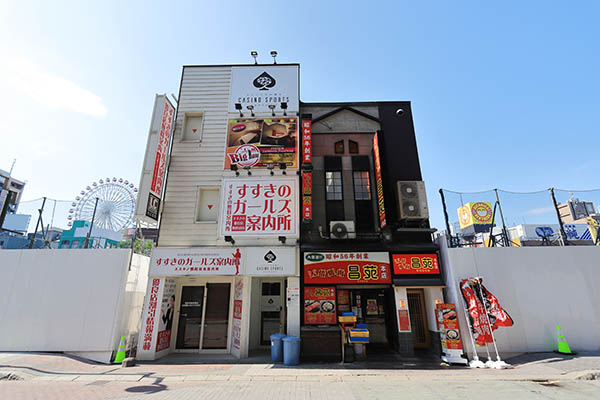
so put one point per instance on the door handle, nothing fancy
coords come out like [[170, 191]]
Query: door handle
[[183, 315]]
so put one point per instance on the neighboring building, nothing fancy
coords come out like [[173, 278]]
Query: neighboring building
[[74, 238], [366, 238], [11, 190], [240, 248], [575, 211], [141, 233]]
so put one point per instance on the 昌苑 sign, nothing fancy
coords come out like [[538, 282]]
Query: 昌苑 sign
[[347, 267], [259, 207], [261, 142], [409, 264]]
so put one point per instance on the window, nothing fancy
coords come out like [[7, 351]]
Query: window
[[333, 185], [362, 185], [352, 147], [207, 205], [192, 127], [339, 147]]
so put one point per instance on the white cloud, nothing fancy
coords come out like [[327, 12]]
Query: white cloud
[[49, 89], [539, 211]]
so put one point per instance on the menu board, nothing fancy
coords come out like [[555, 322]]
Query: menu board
[[319, 305], [447, 321]]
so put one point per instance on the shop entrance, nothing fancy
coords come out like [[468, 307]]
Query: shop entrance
[[271, 310], [418, 318], [203, 321], [373, 307]]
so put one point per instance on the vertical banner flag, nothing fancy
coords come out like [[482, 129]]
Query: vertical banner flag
[[472, 289], [379, 182], [447, 324]]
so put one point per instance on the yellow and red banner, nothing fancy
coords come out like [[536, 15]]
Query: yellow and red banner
[[379, 183], [477, 213], [422, 264]]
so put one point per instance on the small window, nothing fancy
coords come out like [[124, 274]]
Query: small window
[[333, 185], [75, 244], [353, 147], [192, 127], [206, 208], [339, 147], [362, 185]]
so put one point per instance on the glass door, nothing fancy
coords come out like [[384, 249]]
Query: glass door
[[190, 317], [216, 320]]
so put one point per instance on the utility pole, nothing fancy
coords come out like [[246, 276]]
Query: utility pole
[[87, 238], [41, 210]]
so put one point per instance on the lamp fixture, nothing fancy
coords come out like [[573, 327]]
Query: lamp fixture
[[251, 108], [270, 167], [272, 108], [229, 239], [283, 166], [284, 107], [282, 239], [238, 106], [234, 167], [254, 54], [247, 168], [274, 55]]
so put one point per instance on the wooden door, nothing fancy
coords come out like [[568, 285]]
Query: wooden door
[[418, 318]]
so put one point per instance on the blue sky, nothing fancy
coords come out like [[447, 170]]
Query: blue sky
[[504, 94]]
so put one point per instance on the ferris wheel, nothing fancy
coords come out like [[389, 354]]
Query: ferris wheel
[[116, 204]]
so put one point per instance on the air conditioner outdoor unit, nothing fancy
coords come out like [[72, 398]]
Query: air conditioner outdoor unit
[[342, 230], [412, 200]]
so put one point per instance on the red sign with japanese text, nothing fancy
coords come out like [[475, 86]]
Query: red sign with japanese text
[[162, 149], [319, 305], [259, 207], [307, 207], [403, 320], [148, 329], [347, 267], [379, 183], [306, 141], [203, 261], [307, 183], [447, 322], [422, 264]]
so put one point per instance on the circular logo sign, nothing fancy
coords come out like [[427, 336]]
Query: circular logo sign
[[246, 155], [464, 215], [482, 213]]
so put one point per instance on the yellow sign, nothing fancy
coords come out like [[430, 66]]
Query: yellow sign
[[479, 213]]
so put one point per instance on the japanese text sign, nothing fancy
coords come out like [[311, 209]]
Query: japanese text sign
[[162, 149], [422, 264], [306, 141], [206, 261], [347, 267], [259, 207]]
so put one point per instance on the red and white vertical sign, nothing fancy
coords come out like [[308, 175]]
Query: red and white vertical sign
[[162, 148], [379, 183], [155, 160], [307, 195], [147, 334], [306, 141]]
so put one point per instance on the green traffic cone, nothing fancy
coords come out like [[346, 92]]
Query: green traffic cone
[[121, 352], [563, 346]]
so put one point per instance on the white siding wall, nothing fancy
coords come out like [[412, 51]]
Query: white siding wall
[[193, 164], [206, 90]]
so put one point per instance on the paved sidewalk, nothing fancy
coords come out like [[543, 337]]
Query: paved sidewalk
[[49, 376]]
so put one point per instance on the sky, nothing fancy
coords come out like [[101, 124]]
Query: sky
[[504, 94]]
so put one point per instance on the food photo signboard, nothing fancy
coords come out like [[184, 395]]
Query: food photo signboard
[[261, 142], [347, 268], [319, 305]]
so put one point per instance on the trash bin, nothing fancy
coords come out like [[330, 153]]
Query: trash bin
[[291, 350], [277, 347]]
